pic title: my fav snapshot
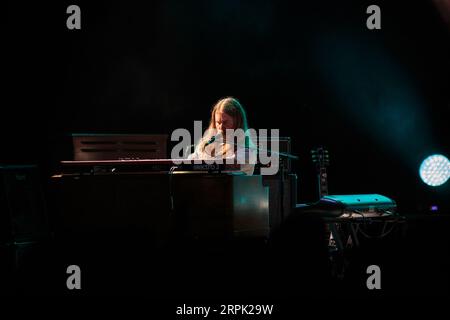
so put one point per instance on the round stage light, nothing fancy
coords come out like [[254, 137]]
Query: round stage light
[[435, 170]]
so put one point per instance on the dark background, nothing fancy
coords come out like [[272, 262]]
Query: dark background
[[377, 99]]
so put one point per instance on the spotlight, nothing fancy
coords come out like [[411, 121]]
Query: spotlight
[[435, 170]]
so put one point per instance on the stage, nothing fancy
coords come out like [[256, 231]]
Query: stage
[[343, 105]]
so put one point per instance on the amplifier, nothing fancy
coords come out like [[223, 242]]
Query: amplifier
[[23, 214], [284, 147]]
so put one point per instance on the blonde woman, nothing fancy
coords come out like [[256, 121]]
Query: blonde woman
[[227, 117]]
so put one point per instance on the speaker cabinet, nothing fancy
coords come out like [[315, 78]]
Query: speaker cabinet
[[22, 206], [284, 145], [282, 197]]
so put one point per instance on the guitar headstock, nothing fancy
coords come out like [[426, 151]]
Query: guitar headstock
[[320, 157]]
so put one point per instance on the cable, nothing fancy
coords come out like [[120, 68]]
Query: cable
[[383, 232], [360, 213], [382, 235]]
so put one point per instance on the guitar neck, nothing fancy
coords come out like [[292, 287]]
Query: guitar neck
[[323, 182], [321, 159]]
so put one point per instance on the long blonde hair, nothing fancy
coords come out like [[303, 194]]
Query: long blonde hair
[[232, 107]]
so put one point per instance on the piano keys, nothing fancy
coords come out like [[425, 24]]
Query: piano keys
[[144, 165]]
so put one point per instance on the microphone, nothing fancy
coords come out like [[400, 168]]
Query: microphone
[[213, 138]]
